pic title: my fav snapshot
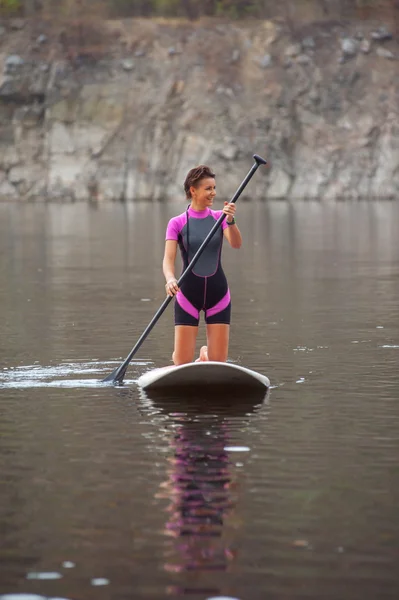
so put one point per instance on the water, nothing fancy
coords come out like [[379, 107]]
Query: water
[[106, 493]]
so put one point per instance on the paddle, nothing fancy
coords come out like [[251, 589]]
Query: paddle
[[118, 374]]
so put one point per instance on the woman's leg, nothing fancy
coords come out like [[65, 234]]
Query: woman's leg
[[218, 341], [185, 340]]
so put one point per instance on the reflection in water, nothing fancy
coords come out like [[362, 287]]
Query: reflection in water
[[199, 488], [202, 486]]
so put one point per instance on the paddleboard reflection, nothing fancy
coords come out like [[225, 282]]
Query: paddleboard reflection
[[215, 401], [202, 484]]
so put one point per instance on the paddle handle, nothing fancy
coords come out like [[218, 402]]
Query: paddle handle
[[118, 374]]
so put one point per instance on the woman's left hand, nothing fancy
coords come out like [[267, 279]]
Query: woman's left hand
[[229, 209]]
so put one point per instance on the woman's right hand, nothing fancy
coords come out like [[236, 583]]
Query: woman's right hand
[[171, 287]]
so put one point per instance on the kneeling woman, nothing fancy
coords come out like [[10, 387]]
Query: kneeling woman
[[205, 287]]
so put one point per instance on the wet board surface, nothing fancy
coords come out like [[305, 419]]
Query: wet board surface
[[204, 375]]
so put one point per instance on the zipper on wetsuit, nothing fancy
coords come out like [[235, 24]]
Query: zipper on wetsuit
[[204, 306]]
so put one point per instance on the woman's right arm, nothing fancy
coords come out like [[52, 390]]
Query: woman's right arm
[[168, 267]]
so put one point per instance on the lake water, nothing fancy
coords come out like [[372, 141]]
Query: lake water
[[108, 494]]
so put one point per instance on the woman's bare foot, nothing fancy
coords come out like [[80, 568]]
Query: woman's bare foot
[[203, 357]]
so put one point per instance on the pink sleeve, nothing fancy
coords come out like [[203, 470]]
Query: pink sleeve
[[171, 230], [174, 227]]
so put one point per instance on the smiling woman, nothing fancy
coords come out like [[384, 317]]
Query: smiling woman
[[183, 333], [205, 287]]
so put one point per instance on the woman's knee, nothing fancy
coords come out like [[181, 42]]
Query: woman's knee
[[182, 358]]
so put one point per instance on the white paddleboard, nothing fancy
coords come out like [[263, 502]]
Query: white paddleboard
[[203, 375]]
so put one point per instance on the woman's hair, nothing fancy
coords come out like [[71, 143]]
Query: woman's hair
[[194, 177]]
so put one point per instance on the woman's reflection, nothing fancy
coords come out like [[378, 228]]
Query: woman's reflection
[[202, 484], [200, 489]]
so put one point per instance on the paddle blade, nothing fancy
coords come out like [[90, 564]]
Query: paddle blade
[[116, 377]]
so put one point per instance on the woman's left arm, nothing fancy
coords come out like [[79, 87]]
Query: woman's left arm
[[232, 233]]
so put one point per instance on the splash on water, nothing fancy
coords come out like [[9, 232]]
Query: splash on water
[[21, 597], [30, 376], [27, 597]]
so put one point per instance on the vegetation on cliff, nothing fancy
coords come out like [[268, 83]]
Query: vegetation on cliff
[[193, 9]]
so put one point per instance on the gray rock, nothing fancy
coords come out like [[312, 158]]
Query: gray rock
[[227, 151], [382, 34], [309, 43], [17, 24], [61, 141], [293, 50], [365, 46], [172, 50], [42, 39], [9, 158], [314, 97], [127, 64], [2, 31], [349, 47], [24, 178], [303, 59], [280, 184], [384, 53], [225, 90], [16, 175], [7, 191], [139, 53], [29, 116], [236, 55], [265, 61], [13, 63]]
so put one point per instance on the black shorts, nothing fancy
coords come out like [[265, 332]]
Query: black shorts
[[208, 294]]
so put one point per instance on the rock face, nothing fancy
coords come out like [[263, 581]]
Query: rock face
[[323, 111]]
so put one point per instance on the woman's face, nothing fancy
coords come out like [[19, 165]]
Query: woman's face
[[205, 191]]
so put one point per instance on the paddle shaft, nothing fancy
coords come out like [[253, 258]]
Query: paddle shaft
[[118, 374]]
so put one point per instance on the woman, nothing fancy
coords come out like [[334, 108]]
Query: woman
[[205, 287]]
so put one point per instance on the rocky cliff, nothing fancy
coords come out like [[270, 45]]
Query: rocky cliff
[[127, 117]]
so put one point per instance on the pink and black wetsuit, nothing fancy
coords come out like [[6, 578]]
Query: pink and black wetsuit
[[205, 287]]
